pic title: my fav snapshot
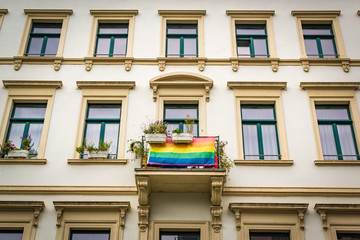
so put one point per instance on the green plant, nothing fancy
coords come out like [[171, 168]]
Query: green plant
[[90, 147], [26, 142], [155, 127], [177, 131], [138, 149], [224, 160], [7, 146], [104, 146], [189, 125]]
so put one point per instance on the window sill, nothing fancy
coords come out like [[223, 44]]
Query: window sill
[[337, 162], [97, 161], [272, 62], [56, 61], [264, 162], [22, 161], [127, 61], [344, 62], [199, 61]]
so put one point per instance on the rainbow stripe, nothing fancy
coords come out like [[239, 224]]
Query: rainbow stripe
[[198, 153]]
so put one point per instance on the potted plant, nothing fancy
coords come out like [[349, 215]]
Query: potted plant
[[180, 137], [22, 152], [155, 132], [224, 161], [95, 152], [189, 126], [6, 147]]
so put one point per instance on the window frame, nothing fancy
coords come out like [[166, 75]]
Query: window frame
[[159, 225], [44, 16], [332, 93], [268, 233], [2, 15], [87, 231], [320, 17], [181, 37], [260, 93], [112, 37], [178, 121], [251, 38], [259, 123], [116, 17], [182, 17], [29, 92], [252, 17]]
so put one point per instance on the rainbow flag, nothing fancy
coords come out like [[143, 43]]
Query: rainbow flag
[[198, 153]]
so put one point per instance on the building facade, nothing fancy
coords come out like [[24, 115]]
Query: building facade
[[277, 80]]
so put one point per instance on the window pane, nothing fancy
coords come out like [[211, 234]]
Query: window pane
[[113, 29], [179, 236], [120, 47], [51, 46], [332, 113], [29, 111], [171, 127], [111, 134], [347, 142], [16, 133], [47, 28], [243, 48], [35, 45], [269, 236], [190, 47], [328, 48], [11, 234], [269, 142], [103, 47], [180, 113], [260, 48], [35, 131], [348, 236], [316, 29], [104, 112], [181, 29], [173, 47], [93, 133], [311, 48], [250, 30], [261, 113], [90, 235], [251, 146], [328, 142]]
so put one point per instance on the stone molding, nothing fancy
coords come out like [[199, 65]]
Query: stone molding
[[32, 84], [106, 84], [34, 206]]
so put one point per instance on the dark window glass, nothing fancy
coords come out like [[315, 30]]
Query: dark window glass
[[11, 234], [319, 41], [181, 40], [175, 115], [348, 236], [111, 40], [251, 40], [259, 132], [44, 39], [27, 119], [103, 124], [269, 236], [336, 133], [90, 235], [179, 235]]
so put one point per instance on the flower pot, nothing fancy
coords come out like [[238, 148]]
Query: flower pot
[[100, 154], [182, 137], [18, 153], [155, 138]]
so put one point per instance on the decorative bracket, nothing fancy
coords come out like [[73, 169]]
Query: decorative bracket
[[143, 184], [217, 184], [162, 64], [235, 65], [17, 64], [238, 219], [57, 64], [275, 65], [122, 218], [128, 64], [201, 65], [207, 93], [88, 65], [143, 212], [305, 65], [345, 65], [216, 214], [37, 211], [323, 218], [301, 215], [59, 214]]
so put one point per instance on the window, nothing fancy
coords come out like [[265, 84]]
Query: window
[[27, 120], [260, 127], [44, 40], [102, 124], [259, 132], [348, 236], [181, 40], [319, 34], [251, 40], [179, 235], [182, 33], [319, 41], [11, 234], [175, 115], [111, 40], [336, 133], [90, 234], [269, 236], [44, 33]]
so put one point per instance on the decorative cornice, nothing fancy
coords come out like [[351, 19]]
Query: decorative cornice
[[22, 161], [3, 11], [329, 85], [31, 84], [106, 84], [264, 162], [36, 207], [254, 13], [182, 12], [256, 85], [96, 161], [48, 11], [315, 12], [113, 12], [254, 207], [69, 190]]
